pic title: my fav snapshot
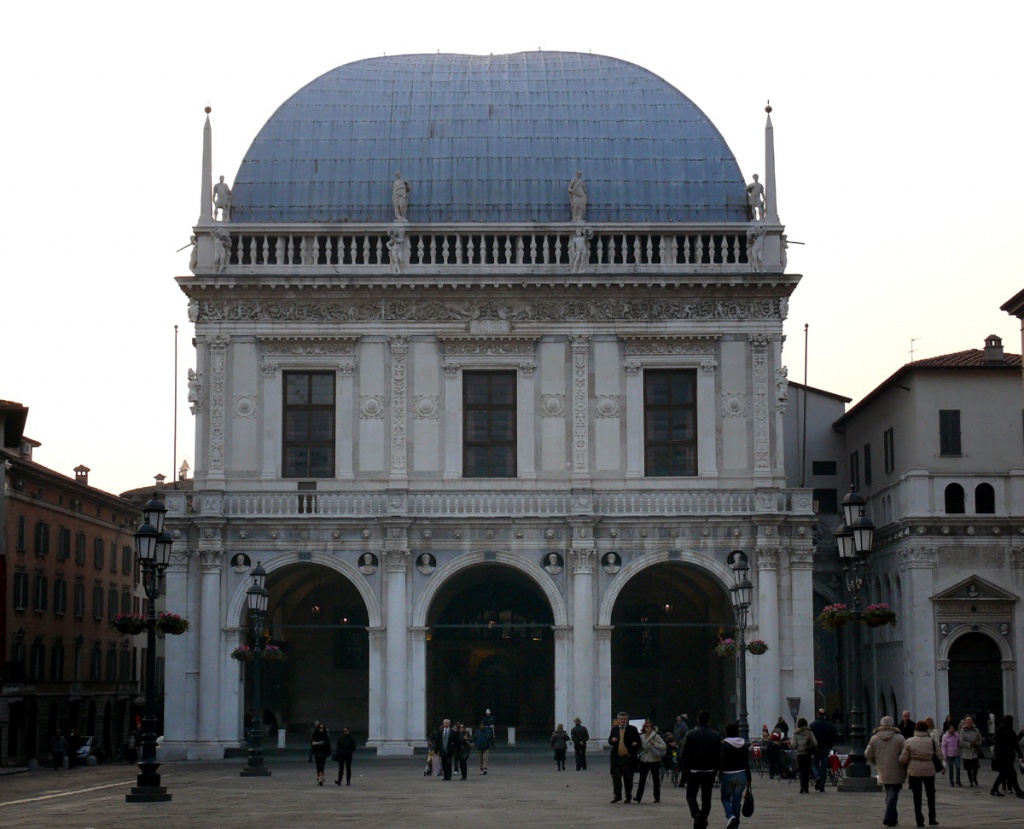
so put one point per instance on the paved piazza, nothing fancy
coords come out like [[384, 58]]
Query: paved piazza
[[522, 789]]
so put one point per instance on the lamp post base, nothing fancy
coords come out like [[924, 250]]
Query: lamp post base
[[254, 771], [858, 784], [148, 794]]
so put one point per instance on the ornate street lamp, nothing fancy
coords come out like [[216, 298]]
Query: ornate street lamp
[[741, 593], [153, 550], [256, 598], [855, 538]]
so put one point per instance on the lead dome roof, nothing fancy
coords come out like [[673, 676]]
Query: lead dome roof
[[489, 138]]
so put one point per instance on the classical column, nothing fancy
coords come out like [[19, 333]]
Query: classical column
[[377, 689], [417, 728], [707, 422], [563, 644], [917, 565], [396, 690], [634, 420], [583, 652], [399, 361], [218, 404], [527, 441], [452, 422], [181, 687], [580, 411], [801, 564], [273, 429], [605, 711], [344, 420], [769, 694], [211, 656]]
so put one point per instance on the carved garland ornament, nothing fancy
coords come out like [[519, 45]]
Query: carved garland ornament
[[218, 360]]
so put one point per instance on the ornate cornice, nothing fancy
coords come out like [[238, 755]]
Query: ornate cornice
[[307, 345]]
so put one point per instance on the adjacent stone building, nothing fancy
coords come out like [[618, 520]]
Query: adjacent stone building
[[489, 377]]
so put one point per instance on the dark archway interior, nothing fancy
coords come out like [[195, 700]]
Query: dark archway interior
[[666, 622], [975, 677], [320, 621], [490, 645]]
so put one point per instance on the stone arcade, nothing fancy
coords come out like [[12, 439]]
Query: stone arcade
[[492, 423]]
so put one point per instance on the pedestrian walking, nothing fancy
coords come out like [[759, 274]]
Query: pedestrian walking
[[951, 753], [444, 742], [735, 773], [625, 742], [917, 756], [58, 749], [320, 748], [463, 746], [1005, 752], [343, 753], [652, 749], [701, 756], [560, 743], [483, 739], [971, 749], [825, 736], [579, 736], [883, 752], [805, 745]]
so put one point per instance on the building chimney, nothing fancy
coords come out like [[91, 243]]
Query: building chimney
[[993, 350], [82, 475], [160, 482]]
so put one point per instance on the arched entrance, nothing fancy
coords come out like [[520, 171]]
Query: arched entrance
[[317, 617], [975, 676], [666, 622], [490, 645]]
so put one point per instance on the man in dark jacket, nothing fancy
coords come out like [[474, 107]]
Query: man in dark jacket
[[625, 742], [701, 756], [444, 743], [343, 751], [906, 726], [579, 736], [825, 735]]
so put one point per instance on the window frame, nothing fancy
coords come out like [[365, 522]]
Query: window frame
[[305, 472], [20, 586], [889, 450], [690, 375], [42, 538], [60, 595], [492, 445], [950, 433]]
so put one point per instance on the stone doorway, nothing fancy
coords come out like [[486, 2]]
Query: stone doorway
[[975, 676]]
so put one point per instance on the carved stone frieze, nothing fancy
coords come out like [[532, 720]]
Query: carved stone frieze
[[911, 558], [488, 346], [647, 346], [304, 346], [580, 347], [539, 310], [218, 361], [399, 365], [762, 435]]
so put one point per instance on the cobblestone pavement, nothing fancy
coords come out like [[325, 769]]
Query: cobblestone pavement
[[522, 789]]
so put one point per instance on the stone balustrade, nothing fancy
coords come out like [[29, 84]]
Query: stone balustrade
[[251, 248]]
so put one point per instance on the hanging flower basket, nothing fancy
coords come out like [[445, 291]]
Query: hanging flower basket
[[758, 647], [243, 653], [272, 653], [130, 623], [171, 623], [834, 616], [725, 647], [876, 615]]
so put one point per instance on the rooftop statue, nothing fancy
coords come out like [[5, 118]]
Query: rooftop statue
[[222, 200], [400, 197], [578, 197], [398, 250], [221, 249], [579, 249], [755, 200], [755, 248]]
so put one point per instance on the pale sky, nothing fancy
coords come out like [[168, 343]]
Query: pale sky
[[897, 132]]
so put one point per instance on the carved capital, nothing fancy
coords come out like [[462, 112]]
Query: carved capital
[[767, 558], [580, 345], [527, 369], [942, 665], [1017, 558], [451, 370], [211, 560], [1008, 665], [269, 369], [396, 561], [802, 559], [582, 561], [708, 366], [633, 368]]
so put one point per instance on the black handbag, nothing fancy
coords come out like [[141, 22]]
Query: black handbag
[[748, 803], [936, 761]]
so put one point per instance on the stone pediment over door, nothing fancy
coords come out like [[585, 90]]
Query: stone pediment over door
[[973, 601], [974, 588]]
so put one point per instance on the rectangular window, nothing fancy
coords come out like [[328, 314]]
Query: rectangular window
[[111, 664], [41, 592], [63, 544], [126, 560], [57, 663], [97, 602], [99, 549], [308, 444], [949, 431], [79, 599], [112, 596], [60, 596], [42, 537], [96, 664], [113, 556], [20, 589], [21, 533], [823, 467], [867, 464], [855, 469], [37, 661], [826, 502], [80, 547], [670, 423], [889, 450], [489, 424]]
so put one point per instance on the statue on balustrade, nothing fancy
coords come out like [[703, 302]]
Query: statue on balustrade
[[755, 248], [579, 249], [398, 251], [400, 189], [755, 200], [221, 249], [222, 200], [578, 197]]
